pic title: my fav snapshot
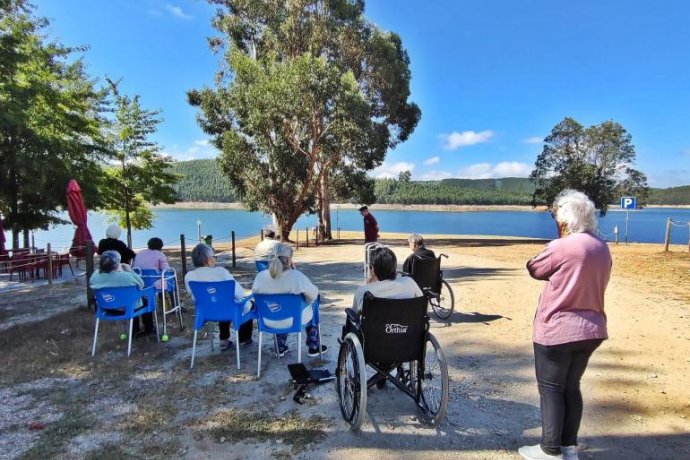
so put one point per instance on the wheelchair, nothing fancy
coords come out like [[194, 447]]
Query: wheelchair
[[392, 337], [429, 277]]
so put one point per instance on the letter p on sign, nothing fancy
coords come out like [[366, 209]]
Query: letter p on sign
[[628, 202]]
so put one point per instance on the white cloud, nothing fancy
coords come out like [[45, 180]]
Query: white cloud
[[533, 140], [201, 148], [177, 12], [435, 175], [431, 161], [456, 140], [490, 171], [391, 171]]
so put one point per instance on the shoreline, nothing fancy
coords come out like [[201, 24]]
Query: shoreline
[[374, 207]]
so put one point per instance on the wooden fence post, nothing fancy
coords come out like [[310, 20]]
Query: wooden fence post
[[234, 260], [183, 255], [297, 240], [261, 234], [89, 271], [667, 240], [306, 233], [49, 254]]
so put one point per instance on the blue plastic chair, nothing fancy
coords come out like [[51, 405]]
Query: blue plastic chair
[[215, 301], [261, 265], [278, 307], [168, 283], [120, 303]]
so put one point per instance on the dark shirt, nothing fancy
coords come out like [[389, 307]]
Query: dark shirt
[[371, 229], [420, 252], [111, 244]]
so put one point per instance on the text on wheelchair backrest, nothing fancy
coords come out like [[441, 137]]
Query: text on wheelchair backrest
[[396, 329]]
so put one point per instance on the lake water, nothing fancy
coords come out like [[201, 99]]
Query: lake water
[[647, 225]]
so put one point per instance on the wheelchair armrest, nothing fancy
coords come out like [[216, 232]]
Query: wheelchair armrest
[[429, 293], [352, 315], [400, 272]]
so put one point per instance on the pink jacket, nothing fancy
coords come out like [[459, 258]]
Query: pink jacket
[[576, 269]]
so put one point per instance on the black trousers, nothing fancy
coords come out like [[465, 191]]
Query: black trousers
[[559, 369], [245, 331]]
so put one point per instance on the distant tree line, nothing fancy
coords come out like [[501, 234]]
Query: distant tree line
[[202, 180]]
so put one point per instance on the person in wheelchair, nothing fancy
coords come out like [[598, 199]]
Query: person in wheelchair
[[418, 249], [283, 278], [383, 282]]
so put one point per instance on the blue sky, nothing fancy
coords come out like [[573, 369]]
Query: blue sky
[[492, 77]]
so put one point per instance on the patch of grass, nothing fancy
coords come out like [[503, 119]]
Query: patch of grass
[[110, 452], [236, 425], [52, 441]]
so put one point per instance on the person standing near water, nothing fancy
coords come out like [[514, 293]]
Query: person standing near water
[[570, 322], [371, 227]]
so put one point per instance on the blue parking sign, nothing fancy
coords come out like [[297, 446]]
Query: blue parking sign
[[628, 202]]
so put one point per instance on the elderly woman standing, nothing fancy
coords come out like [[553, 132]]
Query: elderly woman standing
[[283, 278], [570, 322], [111, 242]]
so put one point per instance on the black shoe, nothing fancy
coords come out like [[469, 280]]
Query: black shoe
[[138, 334], [315, 351], [282, 350], [247, 343], [381, 384], [226, 345]]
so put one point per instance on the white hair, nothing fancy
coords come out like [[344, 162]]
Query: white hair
[[576, 210], [113, 231], [279, 260]]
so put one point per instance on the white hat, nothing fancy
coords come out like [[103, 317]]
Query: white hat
[[113, 231]]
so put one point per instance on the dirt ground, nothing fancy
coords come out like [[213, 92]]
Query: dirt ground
[[58, 401]]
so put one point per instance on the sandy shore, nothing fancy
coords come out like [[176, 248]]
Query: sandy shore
[[637, 401]]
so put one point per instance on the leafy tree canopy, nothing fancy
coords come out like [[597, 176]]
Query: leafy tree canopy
[[597, 160], [308, 89]]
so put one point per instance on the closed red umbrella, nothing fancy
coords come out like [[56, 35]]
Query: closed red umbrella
[[77, 213], [2, 239]]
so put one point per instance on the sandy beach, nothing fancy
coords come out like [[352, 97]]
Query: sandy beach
[[58, 401]]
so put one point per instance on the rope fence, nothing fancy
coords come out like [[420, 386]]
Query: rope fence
[[670, 223]]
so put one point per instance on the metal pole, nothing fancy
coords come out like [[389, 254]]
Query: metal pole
[[234, 263], [183, 255], [615, 232], [50, 264], [89, 271], [667, 239], [627, 213], [198, 230]]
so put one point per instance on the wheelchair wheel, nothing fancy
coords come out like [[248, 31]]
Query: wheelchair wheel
[[351, 381], [443, 304], [434, 382]]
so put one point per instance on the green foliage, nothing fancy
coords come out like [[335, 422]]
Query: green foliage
[[670, 196], [453, 191], [202, 180], [315, 91], [50, 122], [596, 160], [139, 174]]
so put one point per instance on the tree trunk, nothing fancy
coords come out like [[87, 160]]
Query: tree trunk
[[325, 228], [128, 222], [283, 227], [25, 234]]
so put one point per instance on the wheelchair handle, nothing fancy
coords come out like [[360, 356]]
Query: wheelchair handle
[[444, 255]]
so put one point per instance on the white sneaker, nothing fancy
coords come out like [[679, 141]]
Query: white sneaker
[[535, 453], [570, 453]]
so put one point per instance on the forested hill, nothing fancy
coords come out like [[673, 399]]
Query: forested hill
[[203, 181]]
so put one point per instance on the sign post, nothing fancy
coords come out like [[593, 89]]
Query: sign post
[[628, 203]]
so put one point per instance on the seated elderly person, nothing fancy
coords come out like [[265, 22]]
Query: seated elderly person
[[282, 278], [112, 273], [264, 250], [112, 243], [206, 270], [383, 281], [152, 258], [418, 249]]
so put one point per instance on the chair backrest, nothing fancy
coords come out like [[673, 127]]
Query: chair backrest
[[426, 271], [394, 330], [214, 300], [123, 298], [261, 265], [278, 307]]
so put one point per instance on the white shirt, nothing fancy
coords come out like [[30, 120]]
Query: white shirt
[[264, 249], [402, 287], [291, 281], [212, 274]]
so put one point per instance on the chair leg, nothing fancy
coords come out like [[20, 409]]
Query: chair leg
[[95, 337], [258, 369], [318, 326], [237, 346], [193, 348], [275, 344], [299, 347], [165, 313], [129, 342]]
